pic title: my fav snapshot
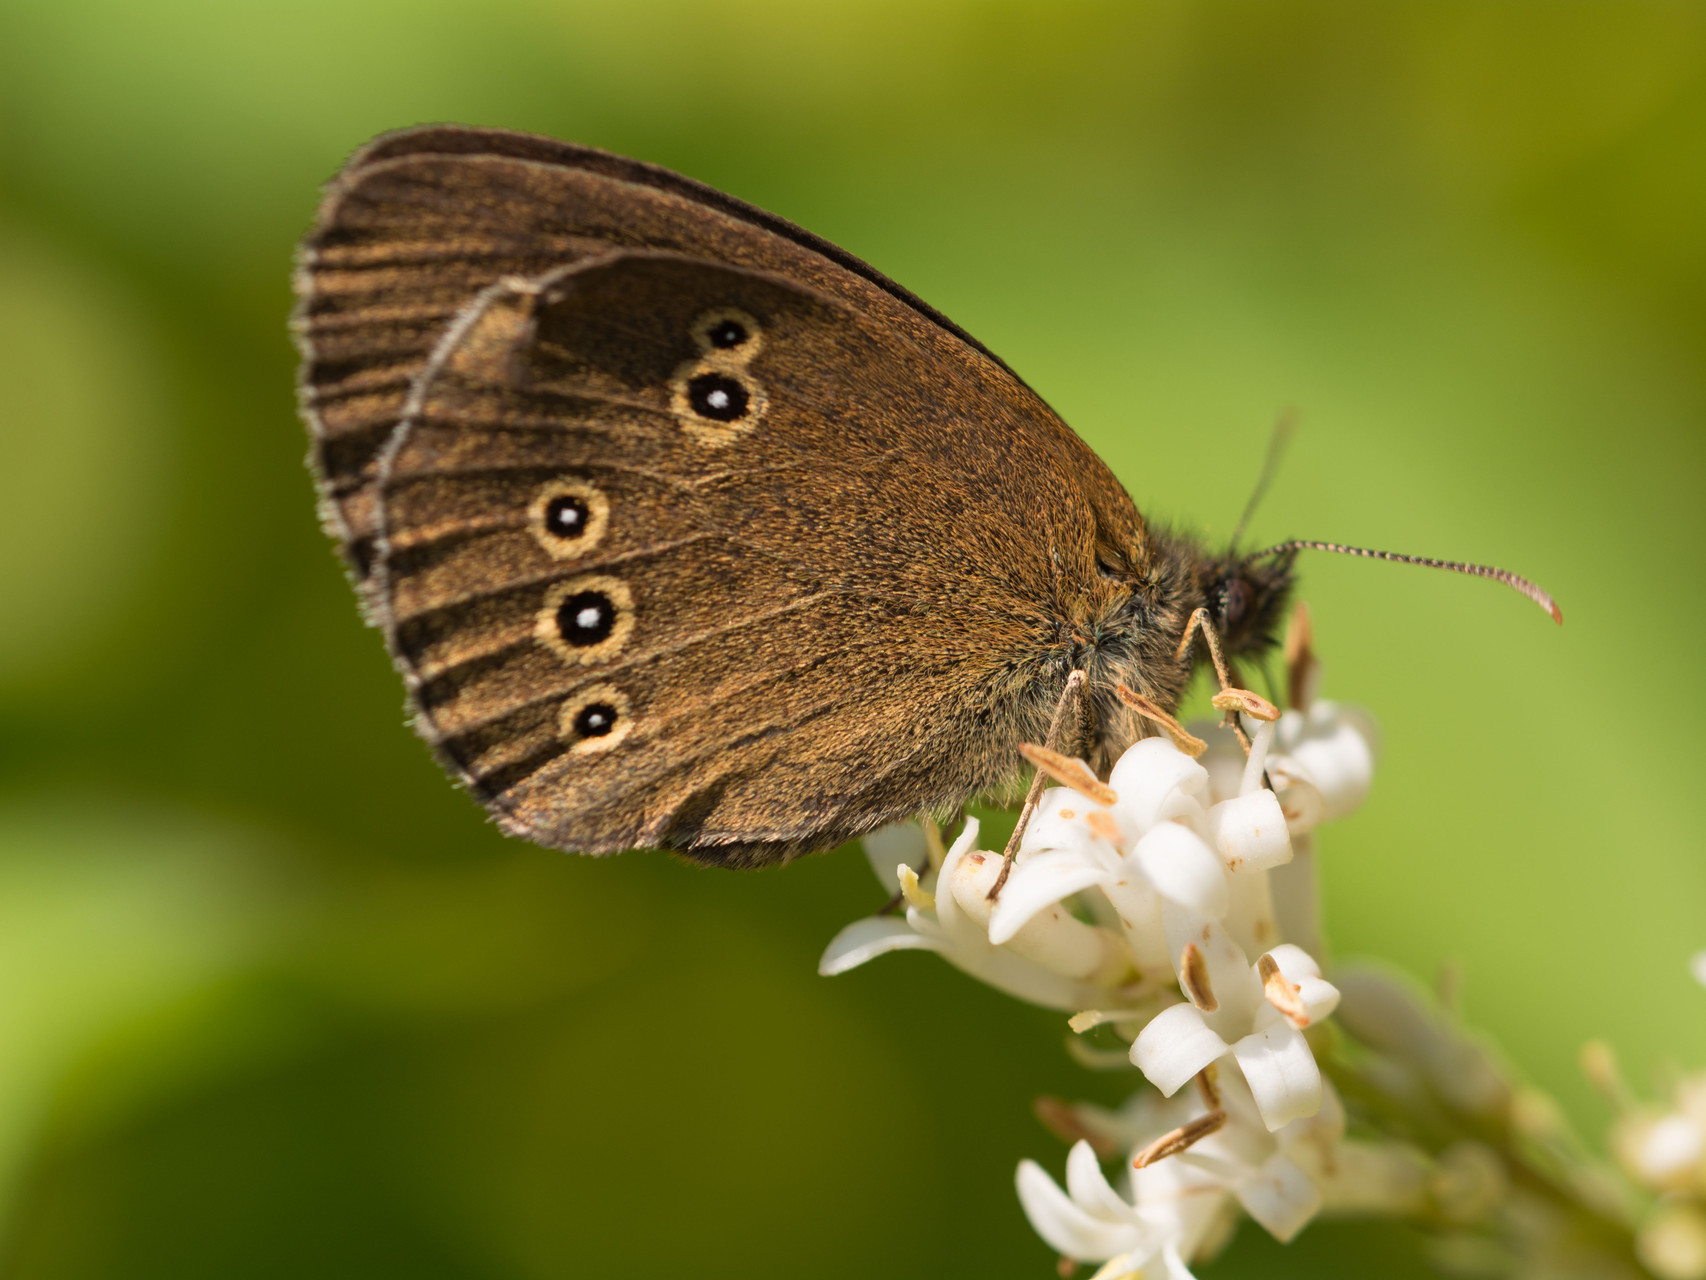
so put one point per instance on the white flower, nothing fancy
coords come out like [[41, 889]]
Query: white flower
[[1323, 762], [1182, 1207], [1664, 1148], [1246, 1023], [1091, 1222], [1160, 842], [1060, 962]]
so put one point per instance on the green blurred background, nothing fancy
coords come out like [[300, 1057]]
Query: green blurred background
[[276, 1001]]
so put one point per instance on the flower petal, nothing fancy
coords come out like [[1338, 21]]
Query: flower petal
[[1089, 1186], [966, 946], [1280, 1070], [1250, 918], [1332, 747], [1280, 1196], [1224, 759], [1061, 821], [1319, 996], [1232, 979], [1137, 910], [1156, 781], [948, 915], [1040, 881], [1183, 869], [1250, 832], [869, 938], [894, 844], [1174, 1265], [1052, 937], [1294, 962], [1299, 800], [1064, 1225], [1176, 1045]]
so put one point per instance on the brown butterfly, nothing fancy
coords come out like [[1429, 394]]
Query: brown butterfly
[[689, 530]]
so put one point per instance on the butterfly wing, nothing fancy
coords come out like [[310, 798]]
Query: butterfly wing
[[684, 531]]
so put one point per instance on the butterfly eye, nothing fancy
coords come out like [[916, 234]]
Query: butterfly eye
[[1236, 598], [718, 397]]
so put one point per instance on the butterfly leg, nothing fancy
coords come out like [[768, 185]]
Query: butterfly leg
[[1073, 702], [1232, 698]]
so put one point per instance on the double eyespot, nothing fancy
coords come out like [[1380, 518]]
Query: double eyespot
[[715, 397]]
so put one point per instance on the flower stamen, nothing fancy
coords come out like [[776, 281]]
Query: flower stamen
[[1182, 737], [935, 851], [1251, 704], [1063, 1121], [1282, 993], [914, 893], [1207, 1088], [1183, 1138], [1069, 772], [1193, 979], [1302, 668]]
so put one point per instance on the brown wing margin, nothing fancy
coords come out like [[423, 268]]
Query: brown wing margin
[[441, 139]]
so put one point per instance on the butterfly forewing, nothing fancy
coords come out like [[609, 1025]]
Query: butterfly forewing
[[682, 533]]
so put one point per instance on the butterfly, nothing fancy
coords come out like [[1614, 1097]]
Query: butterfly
[[687, 529]]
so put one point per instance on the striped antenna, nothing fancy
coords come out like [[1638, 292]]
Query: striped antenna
[[1505, 576]]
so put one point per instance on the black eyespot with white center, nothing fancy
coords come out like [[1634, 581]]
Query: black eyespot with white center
[[726, 334], [586, 618], [595, 720], [567, 516], [718, 397]]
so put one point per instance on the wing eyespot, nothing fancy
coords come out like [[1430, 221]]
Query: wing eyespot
[[586, 618], [568, 517], [718, 397], [595, 719], [730, 330], [715, 397]]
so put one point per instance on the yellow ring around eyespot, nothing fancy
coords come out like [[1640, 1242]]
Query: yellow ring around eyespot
[[708, 431], [717, 315], [607, 693], [597, 521], [546, 631]]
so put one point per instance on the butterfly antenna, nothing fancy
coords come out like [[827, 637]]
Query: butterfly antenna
[[1534, 593], [1284, 427]]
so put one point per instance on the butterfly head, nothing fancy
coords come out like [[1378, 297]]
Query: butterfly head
[[1247, 597]]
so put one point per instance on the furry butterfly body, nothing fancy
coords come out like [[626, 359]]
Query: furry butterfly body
[[688, 530]]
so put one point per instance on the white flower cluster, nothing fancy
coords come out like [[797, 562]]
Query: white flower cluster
[[1662, 1149], [1179, 877]]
